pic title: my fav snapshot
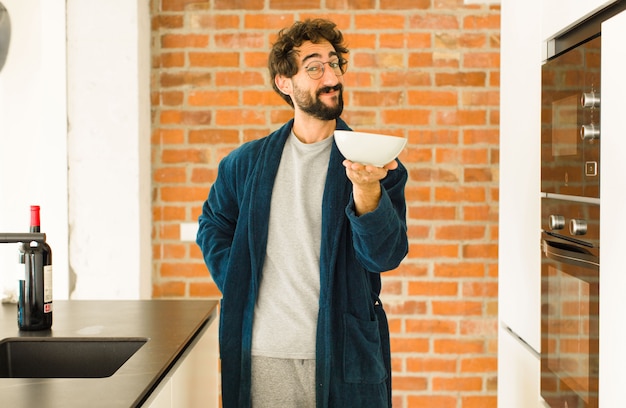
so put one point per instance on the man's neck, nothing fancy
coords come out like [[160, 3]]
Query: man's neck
[[311, 130]]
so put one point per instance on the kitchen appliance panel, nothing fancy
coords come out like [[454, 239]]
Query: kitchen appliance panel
[[570, 303], [570, 122]]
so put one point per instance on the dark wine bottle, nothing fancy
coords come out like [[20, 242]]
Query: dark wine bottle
[[35, 290]]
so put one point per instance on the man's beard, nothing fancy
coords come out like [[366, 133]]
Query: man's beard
[[317, 108]]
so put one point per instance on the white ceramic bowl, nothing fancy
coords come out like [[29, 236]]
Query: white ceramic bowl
[[369, 148]]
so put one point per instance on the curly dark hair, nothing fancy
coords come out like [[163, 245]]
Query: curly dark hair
[[283, 59]]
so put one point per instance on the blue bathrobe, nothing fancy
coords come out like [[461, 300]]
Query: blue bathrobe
[[353, 363]]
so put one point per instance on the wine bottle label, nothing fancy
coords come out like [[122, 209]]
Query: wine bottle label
[[47, 286]]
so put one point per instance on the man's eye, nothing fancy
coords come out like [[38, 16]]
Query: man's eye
[[334, 64], [313, 69]]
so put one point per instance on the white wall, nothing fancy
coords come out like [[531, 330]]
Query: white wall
[[74, 138], [33, 134], [108, 66]]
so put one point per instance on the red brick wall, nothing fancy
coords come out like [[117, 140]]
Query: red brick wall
[[424, 69]]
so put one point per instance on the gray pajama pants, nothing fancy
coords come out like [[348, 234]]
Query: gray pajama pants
[[284, 383]]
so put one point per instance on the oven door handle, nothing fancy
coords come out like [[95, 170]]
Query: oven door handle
[[570, 254]]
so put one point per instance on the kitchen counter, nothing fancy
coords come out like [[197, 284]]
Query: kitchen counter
[[169, 325]]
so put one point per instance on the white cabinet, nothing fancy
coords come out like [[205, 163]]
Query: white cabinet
[[518, 373], [561, 15], [193, 381], [520, 129], [612, 216]]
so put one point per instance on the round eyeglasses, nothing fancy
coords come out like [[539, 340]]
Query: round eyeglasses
[[315, 69]]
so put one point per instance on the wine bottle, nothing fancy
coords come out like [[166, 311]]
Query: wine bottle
[[35, 290]]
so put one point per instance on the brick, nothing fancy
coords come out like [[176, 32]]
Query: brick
[[213, 136], [239, 4], [460, 384], [293, 4], [350, 4], [490, 21], [432, 289], [167, 136], [431, 326], [178, 5], [460, 79], [433, 98], [183, 269], [166, 22], [431, 365], [460, 232], [433, 21], [204, 290], [459, 270], [448, 346], [430, 251], [183, 156], [457, 308], [213, 98], [439, 401], [405, 40], [272, 22], [184, 41], [479, 364], [240, 40], [375, 21], [479, 401], [169, 289], [168, 213], [410, 383], [264, 98], [410, 345], [404, 4], [407, 116], [172, 59], [170, 175], [213, 59], [206, 21], [178, 194]]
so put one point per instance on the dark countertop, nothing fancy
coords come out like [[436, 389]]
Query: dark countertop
[[170, 326]]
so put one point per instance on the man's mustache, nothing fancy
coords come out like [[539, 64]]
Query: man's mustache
[[327, 89]]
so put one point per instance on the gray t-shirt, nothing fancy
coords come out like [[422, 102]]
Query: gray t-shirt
[[285, 316]]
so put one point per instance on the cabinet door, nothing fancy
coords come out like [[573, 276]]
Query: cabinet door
[[193, 381], [518, 373], [519, 258], [612, 217], [561, 15]]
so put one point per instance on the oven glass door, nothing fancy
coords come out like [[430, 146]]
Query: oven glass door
[[570, 122], [569, 319]]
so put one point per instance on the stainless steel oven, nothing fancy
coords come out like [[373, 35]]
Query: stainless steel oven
[[570, 122], [571, 133], [570, 271]]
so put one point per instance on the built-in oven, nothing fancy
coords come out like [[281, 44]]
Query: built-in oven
[[570, 271], [570, 128], [571, 132]]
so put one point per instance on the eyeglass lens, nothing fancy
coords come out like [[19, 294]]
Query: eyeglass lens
[[316, 68]]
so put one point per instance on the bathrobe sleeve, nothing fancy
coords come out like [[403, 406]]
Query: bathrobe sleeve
[[217, 223], [380, 237]]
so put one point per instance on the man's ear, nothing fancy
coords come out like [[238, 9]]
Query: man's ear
[[283, 83]]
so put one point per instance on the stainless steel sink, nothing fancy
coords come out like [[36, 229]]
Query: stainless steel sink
[[49, 357]]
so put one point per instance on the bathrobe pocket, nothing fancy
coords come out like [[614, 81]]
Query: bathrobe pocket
[[363, 360]]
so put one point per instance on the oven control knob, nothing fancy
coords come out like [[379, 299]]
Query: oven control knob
[[589, 132], [590, 100], [556, 222], [577, 227]]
